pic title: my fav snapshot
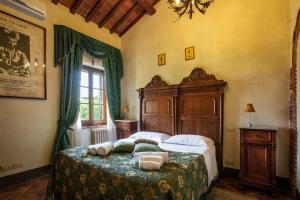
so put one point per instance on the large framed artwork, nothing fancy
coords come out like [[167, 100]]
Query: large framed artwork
[[22, 58]]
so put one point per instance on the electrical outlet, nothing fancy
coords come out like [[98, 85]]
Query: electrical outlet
[[229, 129], [17, 165], [8, 167]]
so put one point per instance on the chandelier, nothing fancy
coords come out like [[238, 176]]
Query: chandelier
[[188, 6]]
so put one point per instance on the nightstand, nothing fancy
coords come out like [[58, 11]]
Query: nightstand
[[125, 128], [258, 157]]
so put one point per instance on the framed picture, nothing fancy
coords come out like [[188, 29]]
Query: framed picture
[[22, 58], [189, 53], [161, 59]]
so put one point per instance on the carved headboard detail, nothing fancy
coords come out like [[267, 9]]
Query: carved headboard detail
[[156, 82], [195, 106], [199, 77], [198, 74]]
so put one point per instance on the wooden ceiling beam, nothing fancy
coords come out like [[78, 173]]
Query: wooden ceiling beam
[[110, 13], [136, 20], [55, 1], [147, 6], [75, 6], [141, 7], [124, 18], [132, 23], [93, 11]]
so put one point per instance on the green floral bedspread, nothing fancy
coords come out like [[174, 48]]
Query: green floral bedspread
[[117, 176]]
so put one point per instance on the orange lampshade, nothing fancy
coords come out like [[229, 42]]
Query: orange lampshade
[[125, 109], [249, 108]]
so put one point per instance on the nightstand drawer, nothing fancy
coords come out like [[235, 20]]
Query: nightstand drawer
[[123, 126], [124, 134], [257, 136]]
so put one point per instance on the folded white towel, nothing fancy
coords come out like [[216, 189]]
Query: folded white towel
[[164, 155], [104, 148], [92, 149], [149, 165], [157, 159]]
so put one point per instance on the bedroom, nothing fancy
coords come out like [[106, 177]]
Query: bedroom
[[248, 44]]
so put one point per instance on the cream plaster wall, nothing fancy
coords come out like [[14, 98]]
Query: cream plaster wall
[[28, 127], [246, 43]]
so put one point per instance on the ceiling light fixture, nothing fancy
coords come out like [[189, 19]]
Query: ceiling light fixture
[[188, 6]]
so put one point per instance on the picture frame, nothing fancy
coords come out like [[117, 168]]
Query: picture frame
[[22, 58], [189, 53], [161, 59]]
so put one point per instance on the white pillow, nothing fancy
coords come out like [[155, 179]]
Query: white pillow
[[191, 140], [154, 136]]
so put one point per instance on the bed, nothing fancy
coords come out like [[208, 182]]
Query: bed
[[195, 106]]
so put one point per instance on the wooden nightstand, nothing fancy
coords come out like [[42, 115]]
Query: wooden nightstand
[[258, 157], [125, 128]]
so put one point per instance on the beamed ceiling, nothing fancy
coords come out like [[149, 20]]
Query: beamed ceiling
[[118, 16]]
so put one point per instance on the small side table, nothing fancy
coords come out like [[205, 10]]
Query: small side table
[[258, 157], [125, 128]]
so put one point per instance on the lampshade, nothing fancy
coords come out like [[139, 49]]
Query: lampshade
[[249, 108], [125, 109]]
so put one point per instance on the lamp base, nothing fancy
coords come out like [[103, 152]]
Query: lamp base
[[249, 124], [125, 116]]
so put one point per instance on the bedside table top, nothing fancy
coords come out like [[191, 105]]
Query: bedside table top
[[271, 128], [126, 120]]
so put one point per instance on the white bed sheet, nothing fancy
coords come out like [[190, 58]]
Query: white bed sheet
[[208, 152]]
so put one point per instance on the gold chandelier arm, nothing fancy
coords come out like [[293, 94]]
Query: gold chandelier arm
[[200, 9], [186, 6]]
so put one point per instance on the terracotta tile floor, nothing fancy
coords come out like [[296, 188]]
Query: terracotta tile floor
[[233, 185], [30, 190], [36, 190]]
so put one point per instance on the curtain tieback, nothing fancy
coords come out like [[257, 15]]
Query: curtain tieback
[[62, 125]]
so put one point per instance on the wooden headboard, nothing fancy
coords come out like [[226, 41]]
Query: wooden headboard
[[195, 106]]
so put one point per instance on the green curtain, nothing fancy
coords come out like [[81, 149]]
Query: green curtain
[[68, 52]]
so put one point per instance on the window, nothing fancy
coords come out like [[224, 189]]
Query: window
[[92, 97]]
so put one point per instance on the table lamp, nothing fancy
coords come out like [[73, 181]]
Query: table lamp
[[249, 109], [125, 111]]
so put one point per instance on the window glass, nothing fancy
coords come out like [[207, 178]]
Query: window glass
[[84, 111], [96, 81], [97, 112], [92, 97], [84, 78]]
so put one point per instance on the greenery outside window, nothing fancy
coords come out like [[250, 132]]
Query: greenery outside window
[[92, 97]]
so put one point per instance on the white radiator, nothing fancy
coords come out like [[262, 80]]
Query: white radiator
[[99, 135], [80, 137]]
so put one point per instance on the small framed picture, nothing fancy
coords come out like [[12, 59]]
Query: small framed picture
[[189, 53], [161, 59]]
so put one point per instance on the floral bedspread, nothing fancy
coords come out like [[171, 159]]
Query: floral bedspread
[[117, 176]]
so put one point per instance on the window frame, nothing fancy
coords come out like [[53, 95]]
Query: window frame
[[91, 121]]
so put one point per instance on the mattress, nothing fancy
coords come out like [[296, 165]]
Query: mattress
[[209, 153]]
